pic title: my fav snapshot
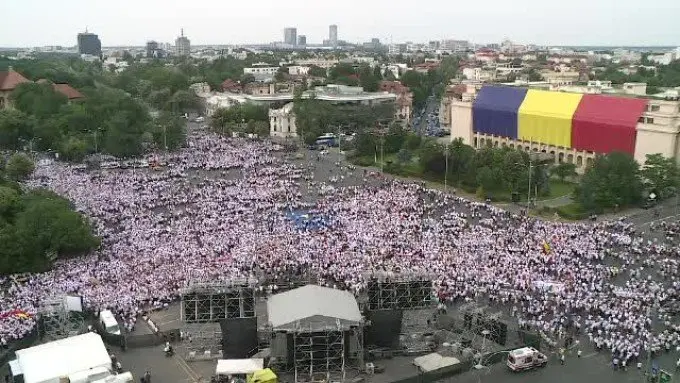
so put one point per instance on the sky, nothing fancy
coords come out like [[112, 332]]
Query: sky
[[29, 23]]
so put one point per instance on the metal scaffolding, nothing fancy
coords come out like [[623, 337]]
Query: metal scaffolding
[[319, 353], [479, 332], [399, 291], [57, 321], [204, 304]]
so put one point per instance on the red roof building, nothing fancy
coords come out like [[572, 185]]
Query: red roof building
[[231, 86], [68, 91], [10, 80], [394, 87]]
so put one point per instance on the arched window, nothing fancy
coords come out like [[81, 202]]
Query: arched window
[[589, 161], [560, 157], [579, 161], [570, 158], [474, 142]]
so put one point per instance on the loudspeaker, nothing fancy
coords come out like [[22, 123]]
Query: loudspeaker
[[279, 346], [384, 329], [239, 337]]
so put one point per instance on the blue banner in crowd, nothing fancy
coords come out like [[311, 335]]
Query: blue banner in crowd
[[308, 221]]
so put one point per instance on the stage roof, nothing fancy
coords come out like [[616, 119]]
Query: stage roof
[[313, 308]]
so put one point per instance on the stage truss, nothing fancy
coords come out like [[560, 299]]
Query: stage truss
[[57, 321], [478, 333], [332, 353], [204, 304], [399, 291]]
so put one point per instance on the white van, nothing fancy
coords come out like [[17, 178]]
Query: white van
[[108, 322], [526, 358]]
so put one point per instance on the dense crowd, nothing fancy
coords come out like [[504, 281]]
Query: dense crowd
[[221, 209]]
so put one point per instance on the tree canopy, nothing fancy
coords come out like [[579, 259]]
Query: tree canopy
[[612, 181], [37, 227]]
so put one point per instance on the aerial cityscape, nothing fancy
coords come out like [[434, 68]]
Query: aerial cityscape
[[325, 197]]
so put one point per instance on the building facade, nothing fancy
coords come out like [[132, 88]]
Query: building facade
[[262, 72], [282, 122], [290, 36], [89, 44], [333, 35], [182, 45], [302, 41], [571, 127], [152, 49]]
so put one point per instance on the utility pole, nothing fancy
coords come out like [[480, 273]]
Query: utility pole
[[165, 137], [96, 146], [529, 191], [446, 171]]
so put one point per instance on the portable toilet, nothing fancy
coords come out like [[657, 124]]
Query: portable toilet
[[263, 376]]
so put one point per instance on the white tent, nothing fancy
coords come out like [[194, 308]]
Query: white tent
[[238, 366], [434, 361]]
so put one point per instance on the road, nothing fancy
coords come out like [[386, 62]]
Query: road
[[431, 105]]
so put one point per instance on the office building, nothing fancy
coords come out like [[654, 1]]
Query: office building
[[290, 36], [89, 44], [571, 127], [333, 35], [152, 49], [182, 45], [302, 40]]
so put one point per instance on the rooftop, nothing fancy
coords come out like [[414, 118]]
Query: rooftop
[[313, 306], [68, 91], [10, 80]]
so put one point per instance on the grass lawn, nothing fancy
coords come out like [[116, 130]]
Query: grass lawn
[[559, 189]]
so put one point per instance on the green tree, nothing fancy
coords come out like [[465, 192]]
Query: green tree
[[10, 204], [660, 175], [15, 126], [513, 170], [19, 167], [404, 156], [368, 80], [281, 74], [183, 101], [37, 99], [564, 170], [612, 180], [37, 224], [169, 129], [486, 179], [432, 157], [316, 71]]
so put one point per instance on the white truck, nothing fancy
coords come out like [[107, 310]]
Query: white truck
[[526, 358], [78, 359], [108, 322]]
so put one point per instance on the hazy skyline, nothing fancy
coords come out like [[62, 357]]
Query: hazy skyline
[[29, 23]]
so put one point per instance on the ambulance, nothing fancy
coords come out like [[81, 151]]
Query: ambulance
[[526, 358]]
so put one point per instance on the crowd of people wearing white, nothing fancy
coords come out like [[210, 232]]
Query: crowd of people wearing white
[[218, 210]]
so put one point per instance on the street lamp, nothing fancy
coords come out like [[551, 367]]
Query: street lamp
[[530, 168], [446, 169]]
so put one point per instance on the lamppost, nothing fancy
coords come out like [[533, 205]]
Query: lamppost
[[446, 168], [96, 142]]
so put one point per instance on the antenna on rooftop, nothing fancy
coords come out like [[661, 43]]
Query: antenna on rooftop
[[85, 29], [182, 32]]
